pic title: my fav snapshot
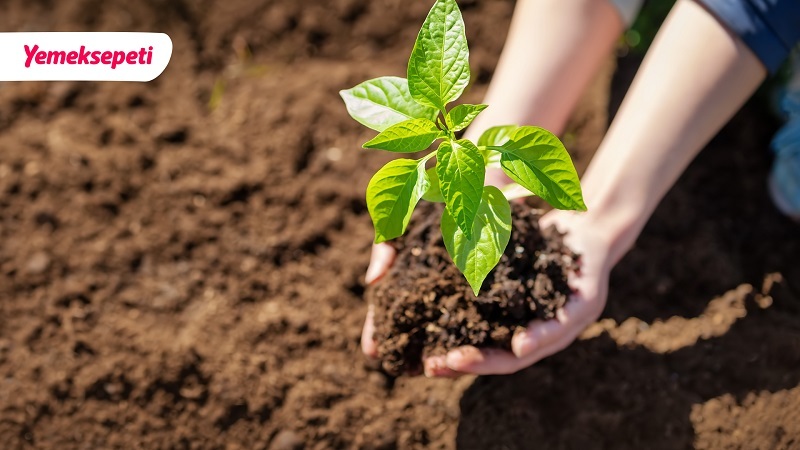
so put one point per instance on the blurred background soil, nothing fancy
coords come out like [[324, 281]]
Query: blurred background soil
[[181, 261]]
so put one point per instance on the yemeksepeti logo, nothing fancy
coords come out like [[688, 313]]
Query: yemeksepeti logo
[[83, 56]]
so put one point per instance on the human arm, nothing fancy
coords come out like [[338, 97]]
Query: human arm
[[695, 77], [552, 51]]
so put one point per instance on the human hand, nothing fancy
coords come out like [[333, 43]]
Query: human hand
[[544, 338], [541, 338], [381, 260]]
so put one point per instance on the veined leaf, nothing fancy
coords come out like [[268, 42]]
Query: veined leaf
[[392, 195], [536, 159], [406, 137], [495, 136], [491, 231], [462, 115], [461, 172], [438, 69], [382, 102]]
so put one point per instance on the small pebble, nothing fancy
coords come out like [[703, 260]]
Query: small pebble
[[199, 200], [248, 264], [334, 154], [38, 263], [286, 440]]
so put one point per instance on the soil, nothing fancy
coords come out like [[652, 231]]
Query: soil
[[181, 261], [424, 306]]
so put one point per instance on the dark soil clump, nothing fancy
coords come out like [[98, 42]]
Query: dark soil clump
[[424, 305]]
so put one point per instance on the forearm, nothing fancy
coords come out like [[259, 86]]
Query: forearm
[[553, 49], [694, 78]]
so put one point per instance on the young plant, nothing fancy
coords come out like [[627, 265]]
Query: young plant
[[410, 114]]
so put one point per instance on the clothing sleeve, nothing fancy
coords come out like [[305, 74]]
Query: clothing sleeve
[[770, 28]]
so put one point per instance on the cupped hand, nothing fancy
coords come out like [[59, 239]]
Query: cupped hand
[[543, 338], [381, 260]]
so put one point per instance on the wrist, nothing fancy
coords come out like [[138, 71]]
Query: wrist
[[615, 223]]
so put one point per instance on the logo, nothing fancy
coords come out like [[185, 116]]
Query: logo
[[83, 56]]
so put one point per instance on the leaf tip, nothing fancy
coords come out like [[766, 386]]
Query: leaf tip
[[476, 285], [344, 94], [580, 205], [370, 144]]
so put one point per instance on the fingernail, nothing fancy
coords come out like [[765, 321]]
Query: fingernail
[[372, 273], [433, 365], [527, 344], [455, 359]]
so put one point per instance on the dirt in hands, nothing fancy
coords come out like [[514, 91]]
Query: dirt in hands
[[424, 305]]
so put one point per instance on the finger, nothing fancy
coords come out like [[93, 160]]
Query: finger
[[436, 366], [551, 349], [483, 362], [547, 337], [380, 261], [368, 344], [538, 334], [549, 219]]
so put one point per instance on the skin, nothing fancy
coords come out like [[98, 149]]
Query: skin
[[694, 78]]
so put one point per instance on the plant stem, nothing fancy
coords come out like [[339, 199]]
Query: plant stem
[[425, 158]]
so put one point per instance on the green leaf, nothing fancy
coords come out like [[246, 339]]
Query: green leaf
[[461, 172], [406, 137], [495, 136], [536, 159], [392, 195], [462, 115], [476, 257], [438, 70], [434, 192], [382, 102]]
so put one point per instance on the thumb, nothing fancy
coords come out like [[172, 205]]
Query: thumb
[[382, 258]]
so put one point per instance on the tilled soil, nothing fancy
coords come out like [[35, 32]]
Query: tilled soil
[[424, 305], [181, 261]]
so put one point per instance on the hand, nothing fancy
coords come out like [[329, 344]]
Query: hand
[[541, 338], [382, 258], [544, 338]]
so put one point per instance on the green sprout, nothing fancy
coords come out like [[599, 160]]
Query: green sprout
[[411, 113]]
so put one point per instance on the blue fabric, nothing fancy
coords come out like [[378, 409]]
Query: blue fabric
[[784, 182], [770, 28]]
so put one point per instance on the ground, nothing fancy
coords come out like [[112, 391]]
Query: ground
[[181, 261]]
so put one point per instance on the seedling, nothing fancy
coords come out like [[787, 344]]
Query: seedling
[[411, 113]]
